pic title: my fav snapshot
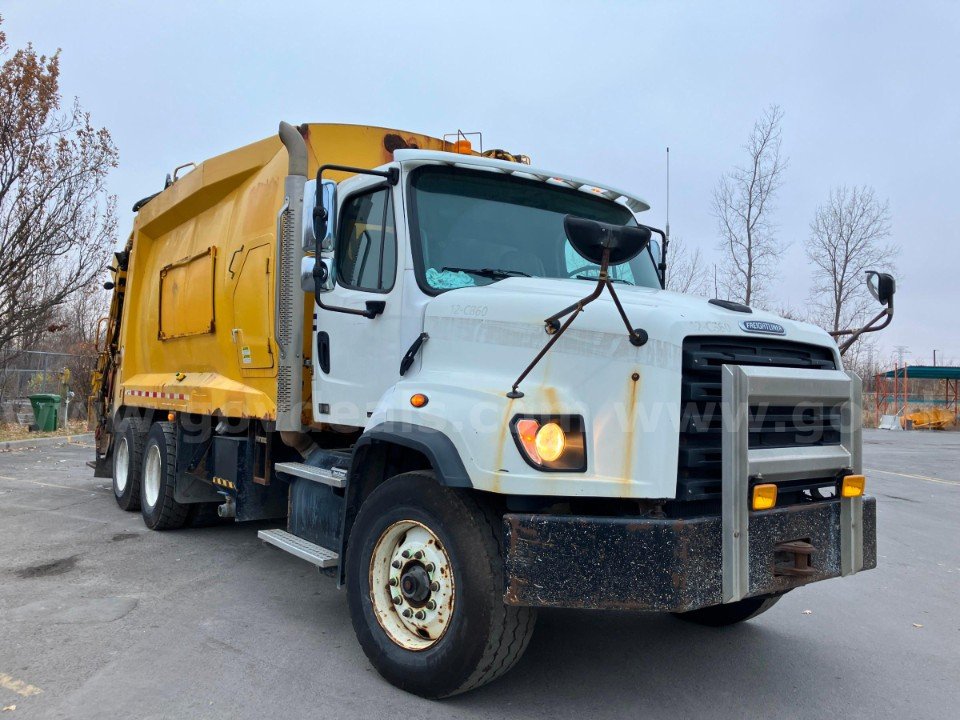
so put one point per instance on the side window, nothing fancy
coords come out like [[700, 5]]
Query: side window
[[366, 255]]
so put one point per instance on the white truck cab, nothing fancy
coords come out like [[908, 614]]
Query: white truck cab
[[622, 457]]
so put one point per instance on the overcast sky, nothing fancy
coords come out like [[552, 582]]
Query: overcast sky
[[598, 89]]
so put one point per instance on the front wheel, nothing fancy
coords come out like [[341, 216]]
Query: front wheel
[[730, 613], [425, 589]]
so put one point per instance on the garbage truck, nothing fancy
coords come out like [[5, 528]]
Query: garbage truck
[[457, 383]]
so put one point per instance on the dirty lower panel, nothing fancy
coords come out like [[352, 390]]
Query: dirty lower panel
[[659, 564]]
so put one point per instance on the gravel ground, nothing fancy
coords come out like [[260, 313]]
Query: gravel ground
[[101, 618]]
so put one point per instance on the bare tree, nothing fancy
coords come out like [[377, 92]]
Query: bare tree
[[57, 222], [848, 237], [686, 270], [743, 205]]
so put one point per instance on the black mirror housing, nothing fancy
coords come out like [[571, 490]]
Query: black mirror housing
[[882, 286], [591, 239]]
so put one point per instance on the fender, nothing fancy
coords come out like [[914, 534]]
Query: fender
[[433, 444]]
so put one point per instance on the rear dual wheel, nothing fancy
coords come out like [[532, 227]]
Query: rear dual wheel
[[424, 575], [128, 462], [158, 480]]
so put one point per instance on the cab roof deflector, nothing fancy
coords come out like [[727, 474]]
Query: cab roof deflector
[[634, 203]]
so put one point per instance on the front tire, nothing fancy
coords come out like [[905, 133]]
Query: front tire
[[730, 613], [158, 480], [424, 573], [128, 461]]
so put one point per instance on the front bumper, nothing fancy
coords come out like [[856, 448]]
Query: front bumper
[[670, 565]]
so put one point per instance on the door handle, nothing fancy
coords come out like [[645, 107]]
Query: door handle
[[323, 351]]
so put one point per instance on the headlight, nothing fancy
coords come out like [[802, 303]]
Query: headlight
[[551, 442]]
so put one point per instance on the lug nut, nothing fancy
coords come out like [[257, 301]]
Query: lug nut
[[418, 555], [407, 613], [393, 582], [405, 553], [431, 567], [397, 600], [434, 586], [420, 615], [431, 605], [396, 564]]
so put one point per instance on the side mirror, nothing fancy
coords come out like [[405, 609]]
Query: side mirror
[[316, 224], [882, 286], [591, 239], [315, 275]]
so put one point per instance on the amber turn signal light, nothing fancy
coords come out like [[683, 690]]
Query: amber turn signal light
[[418, 400], [852, 486], [764, 496]]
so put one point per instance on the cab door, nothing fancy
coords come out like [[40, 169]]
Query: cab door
[[358, 358]]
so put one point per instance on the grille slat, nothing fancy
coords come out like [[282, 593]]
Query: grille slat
[[700, 467]]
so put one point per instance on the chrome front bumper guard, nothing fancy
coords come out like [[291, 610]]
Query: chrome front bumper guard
[[744, 387]]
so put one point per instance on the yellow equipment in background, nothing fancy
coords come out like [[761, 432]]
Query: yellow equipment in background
[[933, 419]]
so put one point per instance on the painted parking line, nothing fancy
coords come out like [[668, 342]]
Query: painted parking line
[[914, 477], [54, 485], [18, 686]]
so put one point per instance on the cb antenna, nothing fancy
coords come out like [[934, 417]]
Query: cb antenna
[[666, 234], [668, 194]]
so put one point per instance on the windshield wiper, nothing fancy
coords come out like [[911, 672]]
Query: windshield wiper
[[594, 277], [493, 273]]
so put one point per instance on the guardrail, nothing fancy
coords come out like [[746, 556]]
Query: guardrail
[[746, 386]]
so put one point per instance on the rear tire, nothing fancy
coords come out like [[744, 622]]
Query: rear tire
[[469, 637], [730, 613], [128, 461], [158, 480]]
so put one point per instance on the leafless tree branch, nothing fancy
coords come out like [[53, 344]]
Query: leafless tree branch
[[57, 221], [848, 236], [743, 205], [687, 271]]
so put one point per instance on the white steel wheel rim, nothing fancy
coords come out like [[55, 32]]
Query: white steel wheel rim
[[151, 476], [406, 554], [122, 466]]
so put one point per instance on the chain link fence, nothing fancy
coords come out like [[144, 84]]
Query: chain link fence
[[29, 372]]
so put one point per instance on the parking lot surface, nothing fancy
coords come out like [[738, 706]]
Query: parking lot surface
[[102, 618]]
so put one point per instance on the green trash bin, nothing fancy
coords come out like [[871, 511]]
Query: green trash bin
[[46, 407]]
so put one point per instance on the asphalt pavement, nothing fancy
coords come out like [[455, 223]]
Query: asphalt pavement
[[102, 618]]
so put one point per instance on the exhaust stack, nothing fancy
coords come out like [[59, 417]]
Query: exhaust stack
[[289, 298]]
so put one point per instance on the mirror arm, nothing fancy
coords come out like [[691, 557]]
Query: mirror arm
[[554, 329], [871, 326], [374, 307], [662, 265]]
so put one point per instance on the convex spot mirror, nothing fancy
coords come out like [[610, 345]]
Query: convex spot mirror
[[590, 238], [313, 225], [308, 275], [882, 286]]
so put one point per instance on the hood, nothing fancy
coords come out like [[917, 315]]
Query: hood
[[666, 316]]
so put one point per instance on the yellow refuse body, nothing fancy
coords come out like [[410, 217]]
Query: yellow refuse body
[[197, 330]]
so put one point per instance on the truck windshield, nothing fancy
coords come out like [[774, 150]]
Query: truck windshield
[[475, 227]]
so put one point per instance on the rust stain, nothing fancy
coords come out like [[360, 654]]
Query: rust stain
[[501, 441], [629, 441], [552, 400]]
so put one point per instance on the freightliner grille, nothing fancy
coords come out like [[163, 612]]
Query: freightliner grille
[[699, 469]]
